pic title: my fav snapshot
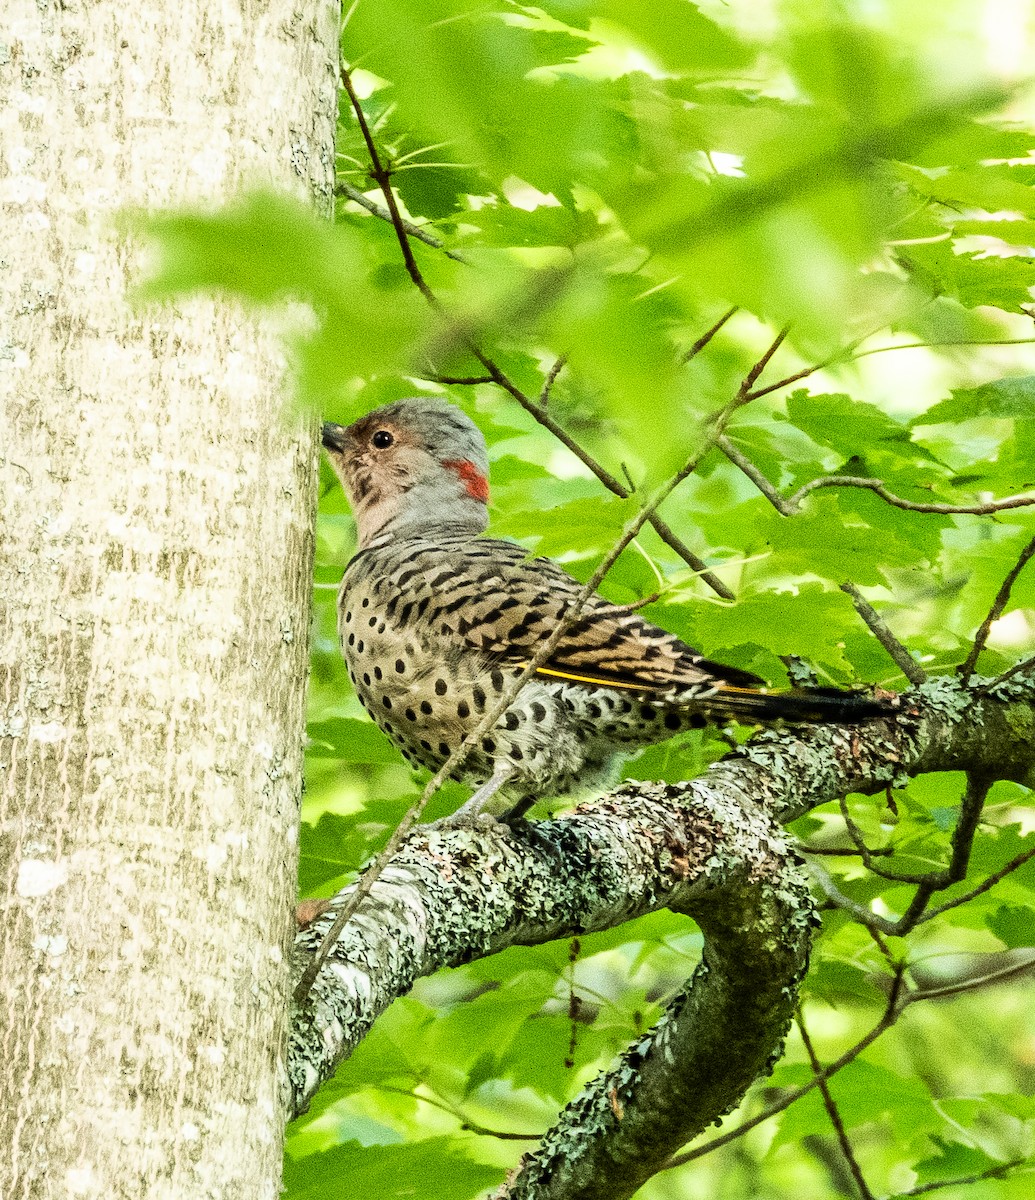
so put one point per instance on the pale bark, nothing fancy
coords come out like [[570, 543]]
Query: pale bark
[[154, 582]]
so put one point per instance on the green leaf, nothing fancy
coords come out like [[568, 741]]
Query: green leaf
[[589, 526], [972, 280], [953, 1160], [268, 249], [1013, 925], [836, 981], [778, 621], [993, 188], [1013, 398], [433, 1169], [676, 34], [820, 541], [537, 1056], [546, 225], [864, 1093], [330, 849], [850, 425], [353, 740], [489, 1022], [478, 84]]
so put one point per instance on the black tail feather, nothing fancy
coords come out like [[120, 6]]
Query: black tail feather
[[815, 706]]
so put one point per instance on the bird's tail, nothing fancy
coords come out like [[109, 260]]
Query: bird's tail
[[815, 705]]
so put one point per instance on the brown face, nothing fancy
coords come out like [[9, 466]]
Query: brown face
[[411, 463], [370, 455], [377, 460]]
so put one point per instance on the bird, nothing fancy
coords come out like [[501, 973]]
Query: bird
[[437, 620]]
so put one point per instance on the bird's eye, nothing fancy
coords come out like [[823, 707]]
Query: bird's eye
[[382, 439]]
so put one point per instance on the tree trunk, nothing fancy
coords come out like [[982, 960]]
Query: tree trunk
[[154, 587]]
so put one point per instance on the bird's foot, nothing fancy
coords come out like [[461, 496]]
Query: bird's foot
[[467, 816], [472, 813]]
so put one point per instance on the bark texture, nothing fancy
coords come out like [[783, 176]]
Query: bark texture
[[154, 586], [712, 848]]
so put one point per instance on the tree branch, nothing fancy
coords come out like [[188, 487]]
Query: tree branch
[[897, 1001], [709, 848], [645, 847], [722, 1031]]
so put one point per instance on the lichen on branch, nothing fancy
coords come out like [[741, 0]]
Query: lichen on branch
[[713, 848]]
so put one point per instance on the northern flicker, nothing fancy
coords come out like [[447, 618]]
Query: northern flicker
[[436, 620]]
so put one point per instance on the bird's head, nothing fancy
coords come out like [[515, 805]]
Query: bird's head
[[409, 465]]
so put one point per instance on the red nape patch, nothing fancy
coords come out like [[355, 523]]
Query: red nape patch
[[474, 481]]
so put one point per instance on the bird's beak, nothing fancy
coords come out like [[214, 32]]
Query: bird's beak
[[334, 437]]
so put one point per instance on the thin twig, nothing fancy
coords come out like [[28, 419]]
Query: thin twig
[[755, 475], [984, 886], [708, 334], [845, 354], [382, 177], [860, 912], [460, 380], [978, 981], [962, 842], [343, 188], [790, 506], [894, 962], [1023, 665], [850, 353], [543, 416], [745, 394], [551, 376], [793, 502], [673, 540], [455, 1111], [833, 1112], [947, 345], [917, 913], [866, 854], [905, 662], [963, 1180], [804, 373], [844, 852], [996, 611]]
